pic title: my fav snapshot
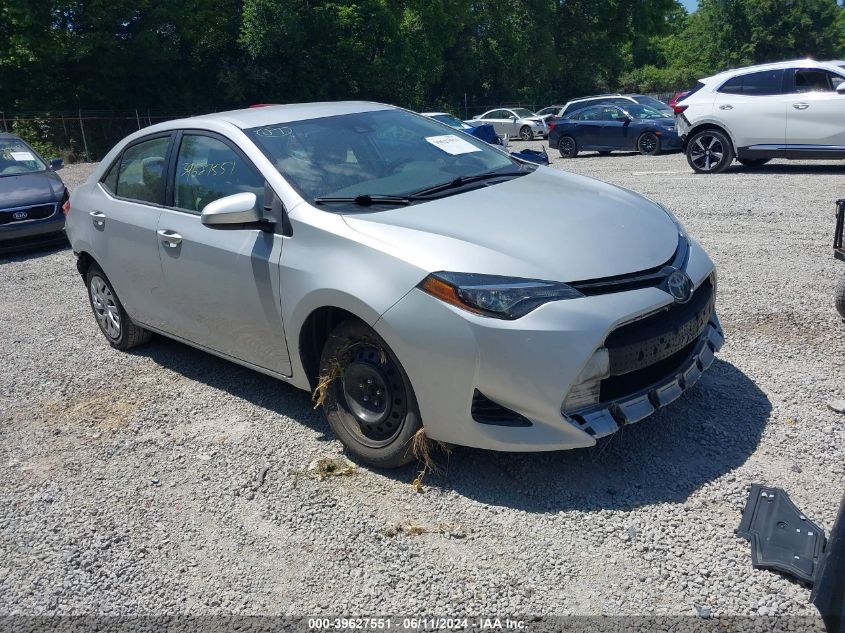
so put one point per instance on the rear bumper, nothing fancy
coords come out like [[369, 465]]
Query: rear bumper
[[18, 236]]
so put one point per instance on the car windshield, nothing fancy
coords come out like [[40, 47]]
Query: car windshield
[[645, 112], [380, 153], [16, 157], [450, 120], [523, 113]]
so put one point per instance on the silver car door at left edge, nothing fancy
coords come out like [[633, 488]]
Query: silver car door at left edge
[[222, 284]]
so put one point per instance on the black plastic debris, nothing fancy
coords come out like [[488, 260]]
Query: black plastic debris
[[783, 539]]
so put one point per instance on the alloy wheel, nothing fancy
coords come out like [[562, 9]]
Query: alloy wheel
[[707, 152], [105, 307], [648, 143], [566, 147], [525, 133]]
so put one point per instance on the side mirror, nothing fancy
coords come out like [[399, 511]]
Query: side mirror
[[57, 163], [514, 117], [841, 88], [240, 208]]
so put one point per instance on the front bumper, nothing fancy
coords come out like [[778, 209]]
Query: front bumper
[[31, 233], [528, 366]]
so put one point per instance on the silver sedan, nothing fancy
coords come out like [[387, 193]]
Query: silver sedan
[[414, 278], [514, 122]]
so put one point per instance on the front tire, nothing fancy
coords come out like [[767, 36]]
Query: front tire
[[648, 144], [525, 133], [368, 399], [709, 152], [568, 147], [119, 329], [840, 297]]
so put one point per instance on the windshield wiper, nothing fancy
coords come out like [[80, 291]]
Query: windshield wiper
[[366, 200], [461, 181]]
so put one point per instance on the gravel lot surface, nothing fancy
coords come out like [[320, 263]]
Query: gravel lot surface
[[137, 483]]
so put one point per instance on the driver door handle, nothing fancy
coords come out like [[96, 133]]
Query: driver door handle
[[800, 106], [727, 106], [169, 238], [98, 218]]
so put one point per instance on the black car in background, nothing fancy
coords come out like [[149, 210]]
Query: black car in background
[[609, 127], [33, 198]]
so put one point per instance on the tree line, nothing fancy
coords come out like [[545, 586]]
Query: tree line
[[198, 55]]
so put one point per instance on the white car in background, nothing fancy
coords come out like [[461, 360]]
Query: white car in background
[[792, 109], [514, 122]]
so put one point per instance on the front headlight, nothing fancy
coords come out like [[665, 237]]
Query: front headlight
[[491, 295]]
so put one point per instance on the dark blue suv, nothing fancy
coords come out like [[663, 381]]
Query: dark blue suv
[[33, 199]]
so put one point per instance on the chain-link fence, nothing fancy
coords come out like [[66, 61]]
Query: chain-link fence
[[82, 135], [88, 135]]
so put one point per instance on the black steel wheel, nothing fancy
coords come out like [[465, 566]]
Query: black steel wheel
[[369, 402], [649, 144], [568, 147]]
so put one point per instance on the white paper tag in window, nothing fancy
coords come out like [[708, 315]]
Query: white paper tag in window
[[22, 157], [451, 144]]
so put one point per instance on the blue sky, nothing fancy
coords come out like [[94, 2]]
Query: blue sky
[[691, 5]]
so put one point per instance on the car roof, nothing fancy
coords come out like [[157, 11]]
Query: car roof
[[436, 114], [8, 135], [806, 63], [275, 114], [612, 94]]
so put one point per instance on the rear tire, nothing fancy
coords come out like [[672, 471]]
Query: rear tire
[[369, 402], [840, 297], [752, 163], [568, 147], [709, 152], [119, 329]]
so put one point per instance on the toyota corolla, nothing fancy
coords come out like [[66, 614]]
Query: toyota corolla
[[409, 274]]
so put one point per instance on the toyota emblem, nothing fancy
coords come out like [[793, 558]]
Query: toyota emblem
[[679, 286]]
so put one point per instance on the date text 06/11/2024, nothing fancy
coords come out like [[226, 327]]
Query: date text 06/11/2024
[[414, 624]]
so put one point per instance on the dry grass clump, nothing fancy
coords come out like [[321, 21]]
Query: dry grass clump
[[331, 467]]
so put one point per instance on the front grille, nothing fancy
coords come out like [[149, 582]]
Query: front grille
[[652, 348], [486, 411], [37, 212]]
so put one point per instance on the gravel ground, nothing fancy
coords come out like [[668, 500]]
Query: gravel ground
[[137, 483]]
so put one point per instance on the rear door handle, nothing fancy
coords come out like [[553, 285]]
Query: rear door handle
[[800, 106], [726, 106], [169, 238], [98, 218]]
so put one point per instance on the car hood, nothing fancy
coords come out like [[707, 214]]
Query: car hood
[[23, 190], [549, 225]]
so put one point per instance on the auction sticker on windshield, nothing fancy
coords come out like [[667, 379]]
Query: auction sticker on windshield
[[451, 144], [22, 157]]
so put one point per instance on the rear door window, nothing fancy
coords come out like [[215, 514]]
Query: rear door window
[[763, 83], [141, 171], [815, 80]]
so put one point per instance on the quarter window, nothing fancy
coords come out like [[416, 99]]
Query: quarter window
[[207, 169], [141, 171]]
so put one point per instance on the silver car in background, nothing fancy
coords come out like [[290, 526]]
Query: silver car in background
[[514, 123], [410, 276]]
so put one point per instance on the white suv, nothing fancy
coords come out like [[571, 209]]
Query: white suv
[[786, 110]]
